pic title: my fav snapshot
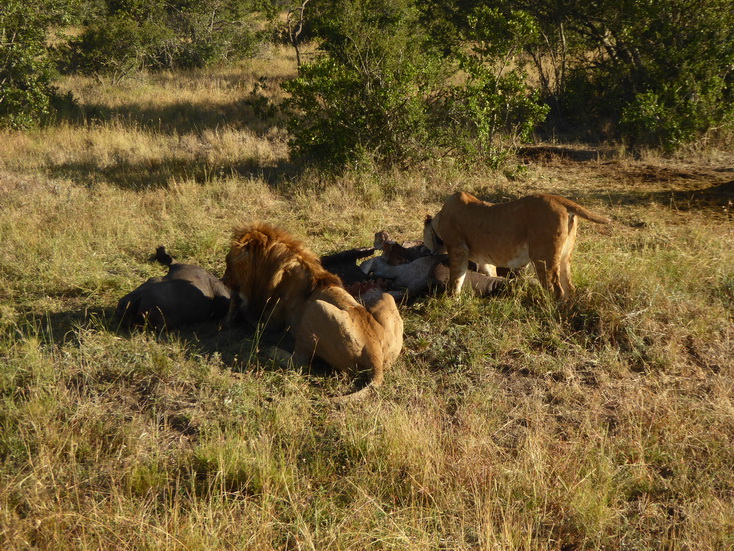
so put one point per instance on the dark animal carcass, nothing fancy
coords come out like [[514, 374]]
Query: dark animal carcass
[[344, 264], [411, 278], [187, 294], [407, 270]]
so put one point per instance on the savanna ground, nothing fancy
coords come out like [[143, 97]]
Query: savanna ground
[[509, 422]]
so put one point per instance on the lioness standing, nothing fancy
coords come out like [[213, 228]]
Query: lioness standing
[[538, 228]]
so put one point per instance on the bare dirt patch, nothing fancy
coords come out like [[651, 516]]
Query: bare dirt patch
[[682, 184]]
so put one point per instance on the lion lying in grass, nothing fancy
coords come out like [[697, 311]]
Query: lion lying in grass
[[276, 280]]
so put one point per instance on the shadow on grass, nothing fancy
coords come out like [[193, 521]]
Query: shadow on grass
[[158, 174], [680, 187], [717, 199], [180, 119], [579, 154], [239, 347], [183, 117]]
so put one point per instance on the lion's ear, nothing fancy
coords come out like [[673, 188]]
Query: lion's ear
[[276, 279], [238, 254]]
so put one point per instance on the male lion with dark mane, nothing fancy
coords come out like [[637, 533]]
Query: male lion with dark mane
[[274, 278]]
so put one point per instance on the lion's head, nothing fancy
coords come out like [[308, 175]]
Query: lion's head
[[431, 240], [269, 270]]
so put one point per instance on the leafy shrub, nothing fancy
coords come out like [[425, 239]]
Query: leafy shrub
[[676, 115], [340, 119], [133, 35], [383, 92], [661, 70], [607, 66], [208, 31], [369, 96], [117, 46], [491, 114], [25, 96], [495, 107], [648, 121], [26, 93]]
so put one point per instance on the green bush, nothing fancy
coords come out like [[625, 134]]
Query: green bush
[[607, 66], [674, 116], [647, 120], [339, 118], [131, 35], [495, 108], [208, 31], [26, 93], [117, 47], [368, 96], [491, 115], [662, 72], [382, 90]]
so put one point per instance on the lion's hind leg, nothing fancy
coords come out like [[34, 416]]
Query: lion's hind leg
[[566, 281], [387, 315], [547, 252], [328, 332], [349, 339]]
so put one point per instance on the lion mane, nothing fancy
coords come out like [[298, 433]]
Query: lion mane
[[277, 281]]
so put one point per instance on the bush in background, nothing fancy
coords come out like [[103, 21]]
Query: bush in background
[[650, 73], [26, 93], [494, 108], [384, 90], [130, 35], [368, 96], [117, 47], [662, 71]]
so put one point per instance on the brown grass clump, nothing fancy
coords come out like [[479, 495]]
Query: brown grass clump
[[509, 422]]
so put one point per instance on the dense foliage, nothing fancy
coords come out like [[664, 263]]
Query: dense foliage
[[26, 93], [383, 89], [655, 73], [131, 35], [400, 81], [117, 38], [369, 95], [659, 74]]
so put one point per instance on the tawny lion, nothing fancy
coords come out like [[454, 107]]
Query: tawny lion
[[274, 278], [538, 228]]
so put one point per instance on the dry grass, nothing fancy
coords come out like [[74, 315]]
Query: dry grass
[[508, 423]]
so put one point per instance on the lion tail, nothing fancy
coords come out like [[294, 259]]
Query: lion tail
[[578, 210], [370, 389]]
